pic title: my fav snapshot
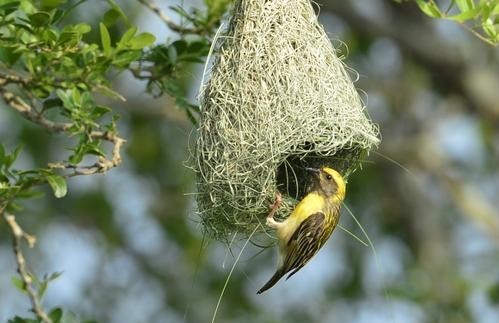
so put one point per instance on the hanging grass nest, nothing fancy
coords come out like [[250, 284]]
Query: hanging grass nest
[[278, 99]]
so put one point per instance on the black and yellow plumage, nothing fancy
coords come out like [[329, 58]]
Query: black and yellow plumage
[[310, 224]]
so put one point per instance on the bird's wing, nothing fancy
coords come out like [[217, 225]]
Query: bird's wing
[[304, 243]]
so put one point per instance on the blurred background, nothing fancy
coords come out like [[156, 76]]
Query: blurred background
[[130, 247]]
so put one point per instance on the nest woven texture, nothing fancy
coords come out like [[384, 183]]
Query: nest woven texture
[[277, 90]]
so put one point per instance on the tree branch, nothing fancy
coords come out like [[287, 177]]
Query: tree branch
[[167, 20], [448, 66], [18, 235], [29, 113], [103, 164], [11, 78]]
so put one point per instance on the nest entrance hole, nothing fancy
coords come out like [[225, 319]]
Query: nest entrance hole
[[292, 178]]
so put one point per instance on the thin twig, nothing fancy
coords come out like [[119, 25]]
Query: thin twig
[[12, 78], [18, 235], [103, 164], [477, 34], [167, 20], [29, 113]]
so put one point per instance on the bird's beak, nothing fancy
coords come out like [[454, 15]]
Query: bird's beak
[[314, 171]]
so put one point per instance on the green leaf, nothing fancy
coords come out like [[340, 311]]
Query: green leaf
[[141, 40], [111, 17], [180, 45], [76, 158], [201, 46], [50, 4], [191, 116], [76, 98], [10, 159], [55, 315], [39, 19], [50, 36], [216, 8], [172, 54], [127, 36], [495, 9], [42, 286], [29, 194], [99, 111], [18, 319], [9, 56], [429, 8], [53, 276], [15, 207], [486, 10], [65, 98], [125, 58], [58, 184], [70, 317], [81, 28], [111, 93], [490, 29], [117, 8], [466, 15], [18, 283], [494, 294], [94, 149], [52, 103], [465, 5], [105, 39], [2, 154], [73, 33], [10, 5], [57, 15]]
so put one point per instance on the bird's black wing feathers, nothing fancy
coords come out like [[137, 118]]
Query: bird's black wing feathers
[[304, 243], [302, 246]]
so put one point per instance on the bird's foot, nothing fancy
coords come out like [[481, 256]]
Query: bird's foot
[[271, 222]]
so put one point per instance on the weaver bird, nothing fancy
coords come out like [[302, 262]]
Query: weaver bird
[[310, 224]]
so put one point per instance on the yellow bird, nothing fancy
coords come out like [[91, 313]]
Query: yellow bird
[[310, 224]]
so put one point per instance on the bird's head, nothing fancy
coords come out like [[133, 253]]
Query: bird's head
[[328, 182]]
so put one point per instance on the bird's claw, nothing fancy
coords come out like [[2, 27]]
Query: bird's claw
[[277, 202], [271, 222]]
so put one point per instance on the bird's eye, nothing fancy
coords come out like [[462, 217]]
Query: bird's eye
[[329, 177]]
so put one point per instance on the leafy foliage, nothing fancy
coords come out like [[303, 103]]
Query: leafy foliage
[[51, 66], [57, 75], [163, 64], [481, 17], [58, 69]]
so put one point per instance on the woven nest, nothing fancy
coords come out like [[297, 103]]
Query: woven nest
[[278, 99]]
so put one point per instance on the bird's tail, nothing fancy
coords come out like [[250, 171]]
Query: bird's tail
[[274, 279]]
